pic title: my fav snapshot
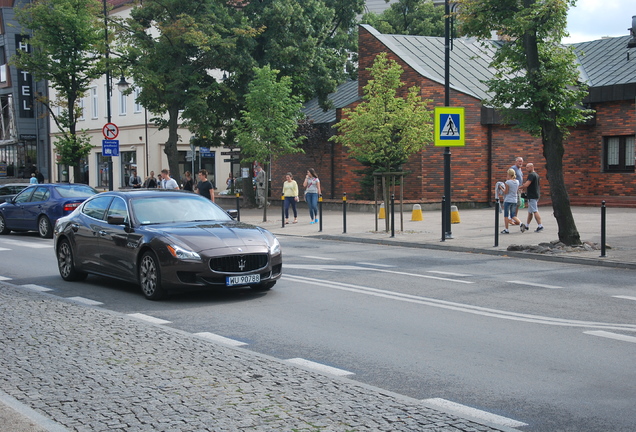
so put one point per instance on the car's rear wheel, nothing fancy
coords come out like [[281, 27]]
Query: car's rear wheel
[[66, 263], [265, 286], [3, 226], [150, 277], [44, 227]]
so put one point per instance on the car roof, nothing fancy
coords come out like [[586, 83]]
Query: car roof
[[15, 184], [129, 193]]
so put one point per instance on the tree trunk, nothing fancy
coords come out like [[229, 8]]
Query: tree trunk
[[170, 149], [553, 154]]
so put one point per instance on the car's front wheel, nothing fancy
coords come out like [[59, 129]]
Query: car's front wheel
[[3, 226], [44, 227], [150, 277], [66, 264]]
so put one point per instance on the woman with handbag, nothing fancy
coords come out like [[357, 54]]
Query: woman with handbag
[[290, 192]]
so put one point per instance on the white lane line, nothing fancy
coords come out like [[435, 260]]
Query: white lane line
[[220, 339], [449, 273], [36, 287], [4, 278], [149, 318], [472, 412], [85, 301], [625, 297], [375, 264], [459, 307], [319, 367], [609, 335], [336, 267], [318, 258], [535, 284], [4, 249], [31, 245]]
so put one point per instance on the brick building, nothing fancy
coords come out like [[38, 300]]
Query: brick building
[[599, 158]]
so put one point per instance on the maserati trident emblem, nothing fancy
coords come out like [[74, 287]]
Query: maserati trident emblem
[[242, 263]]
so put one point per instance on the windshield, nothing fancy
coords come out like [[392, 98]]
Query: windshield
[[75, 191], [186, 208]]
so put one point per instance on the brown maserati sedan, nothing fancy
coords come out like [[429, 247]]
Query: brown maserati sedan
[[166, 241]]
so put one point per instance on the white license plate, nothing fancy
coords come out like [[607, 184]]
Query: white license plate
[[243, 280]]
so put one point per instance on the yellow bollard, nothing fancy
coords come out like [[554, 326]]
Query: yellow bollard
[[382, 214], [454, 215], [416, 214]]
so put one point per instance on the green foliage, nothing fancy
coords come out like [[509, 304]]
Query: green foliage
[[386, 128], [409, 17], [67, 50], [536, 78], [269, 122]]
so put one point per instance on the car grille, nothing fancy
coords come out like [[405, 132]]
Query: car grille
[[238, 263]]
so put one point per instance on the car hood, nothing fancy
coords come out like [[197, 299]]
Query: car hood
[[208, 235]]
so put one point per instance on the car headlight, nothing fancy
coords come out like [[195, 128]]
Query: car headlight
[[274, 248], [183, 254]]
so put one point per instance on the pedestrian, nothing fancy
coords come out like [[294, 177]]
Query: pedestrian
[[519, 173], [188, 185], [39, 176], [166, 181], [205, 188], [230, 181], [150, 182], [532, 189], [312, 191], [261, 178], [33, 179], [290, 192], [510, 194], [134, 181]]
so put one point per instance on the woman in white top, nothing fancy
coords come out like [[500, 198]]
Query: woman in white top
[[510, 201], [312, 191]]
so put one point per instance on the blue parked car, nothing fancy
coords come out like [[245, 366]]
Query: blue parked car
[[39, 206]]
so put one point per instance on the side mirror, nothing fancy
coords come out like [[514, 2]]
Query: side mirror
[[116, 220], [233, 213]]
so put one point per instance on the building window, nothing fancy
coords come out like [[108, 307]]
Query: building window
[[123, 99], [138, 106], [619, 154], [80, 105], [94, 103]]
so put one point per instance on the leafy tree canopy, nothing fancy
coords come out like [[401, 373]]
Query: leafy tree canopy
[[409, 17]]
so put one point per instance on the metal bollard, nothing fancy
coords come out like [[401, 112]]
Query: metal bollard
[[392, 215], [238, 207], [603, 220], [282, 211], [344, 213], [443, 218], [320, 213], [496, 223]]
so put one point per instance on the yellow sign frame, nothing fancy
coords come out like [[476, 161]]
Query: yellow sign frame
[[457, 138]]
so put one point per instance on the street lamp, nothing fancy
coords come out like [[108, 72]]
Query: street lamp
[[448, 38]]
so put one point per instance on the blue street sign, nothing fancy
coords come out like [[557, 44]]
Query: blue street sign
[[110, 147]]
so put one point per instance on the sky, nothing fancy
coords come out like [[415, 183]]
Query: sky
[[593, 19]]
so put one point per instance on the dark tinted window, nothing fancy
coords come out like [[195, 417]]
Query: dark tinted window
[[96, 208], [24, 195], [40, 194], [118, 208]]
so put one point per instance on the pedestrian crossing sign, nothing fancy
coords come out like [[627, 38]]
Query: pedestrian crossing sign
[[449, 127]]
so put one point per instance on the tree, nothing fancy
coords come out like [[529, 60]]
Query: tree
[[536, 81], [269, 122], [409, 17], [172, 46], [67, 50], [386, 128]]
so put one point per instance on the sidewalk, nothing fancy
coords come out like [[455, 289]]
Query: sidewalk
[[68, 366], [475, 232]]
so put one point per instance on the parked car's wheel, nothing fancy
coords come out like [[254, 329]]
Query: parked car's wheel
[[150, 277], [44, 227], [3, 226], [265, 286], [66, 264]]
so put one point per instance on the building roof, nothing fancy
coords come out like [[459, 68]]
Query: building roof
[[605, 61], [344, 95]]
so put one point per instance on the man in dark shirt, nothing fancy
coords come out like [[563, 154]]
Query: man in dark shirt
[[205, 187], [531, 186]]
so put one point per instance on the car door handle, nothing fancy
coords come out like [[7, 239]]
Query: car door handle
[[103, 233], [75, 227]]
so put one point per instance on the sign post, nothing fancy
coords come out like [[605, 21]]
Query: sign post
[[110, 146]]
